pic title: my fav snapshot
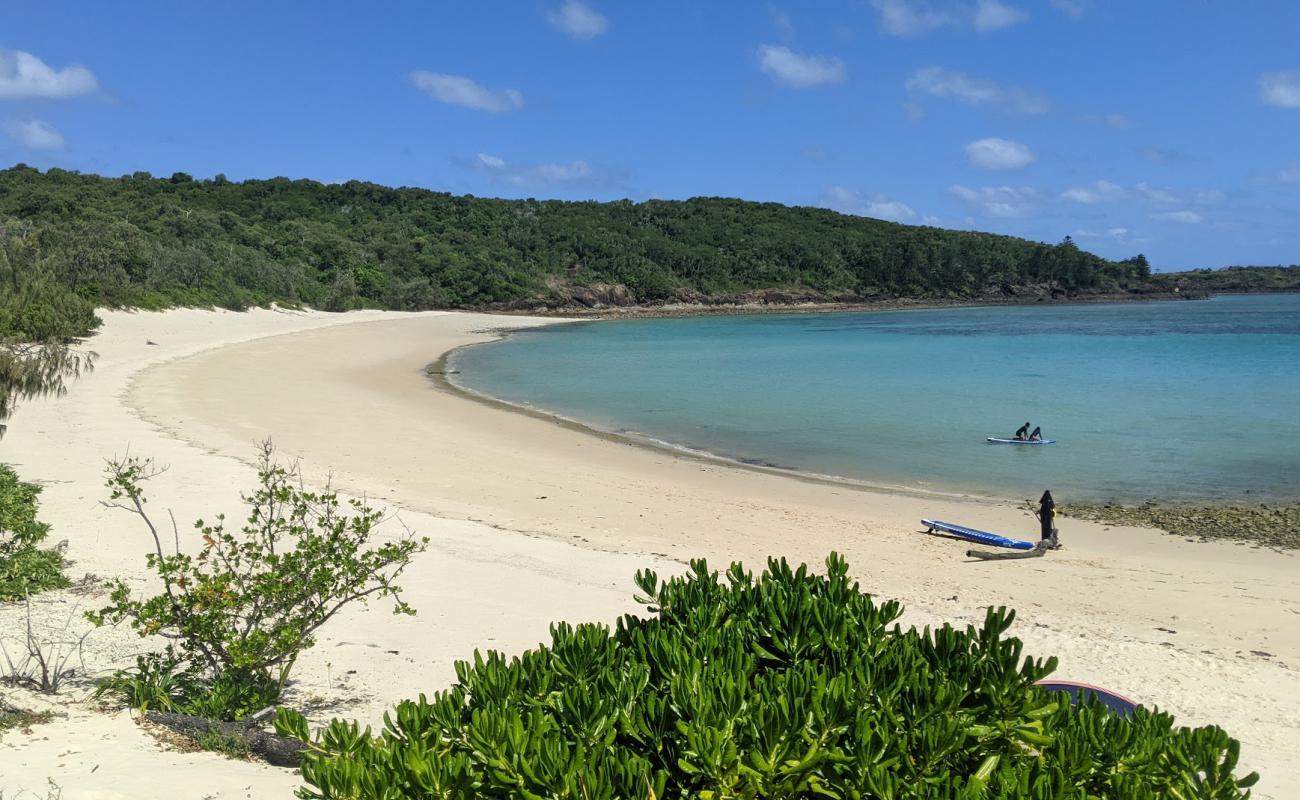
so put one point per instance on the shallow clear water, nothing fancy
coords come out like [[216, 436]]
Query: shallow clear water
[[1166, 400]]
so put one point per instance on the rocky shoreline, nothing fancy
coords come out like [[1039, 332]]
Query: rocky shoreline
[[615, 300], [1275, 526]]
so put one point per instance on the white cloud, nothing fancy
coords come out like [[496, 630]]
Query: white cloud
[[974, 91], [457, 90], [1289, 174], [1103, 191], [578, 20], [799, 71], [1280, 89], [908, 18], [916, 17], [1163, 196], [992, 15], [23, 76], [994, 153], [1072, 7], [1155, 194], [847, 201], [1096, 192], [33, 134], [1183, 217], [575, 173], [998, 201]]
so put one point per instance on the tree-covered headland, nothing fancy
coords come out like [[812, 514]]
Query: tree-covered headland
[[151, 242]]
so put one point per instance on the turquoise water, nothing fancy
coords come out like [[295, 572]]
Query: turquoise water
[[1170, 400]]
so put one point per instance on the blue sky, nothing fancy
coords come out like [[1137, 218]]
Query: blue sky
[[1169, 127]]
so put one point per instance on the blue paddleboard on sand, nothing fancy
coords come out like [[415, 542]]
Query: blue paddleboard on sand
[[983, 537], [999, 440], [1117, 703]]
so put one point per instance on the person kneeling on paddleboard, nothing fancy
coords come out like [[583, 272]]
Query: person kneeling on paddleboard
[[1037, 435], [1020, 434]]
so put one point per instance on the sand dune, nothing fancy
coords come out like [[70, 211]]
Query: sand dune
[[533, 521]]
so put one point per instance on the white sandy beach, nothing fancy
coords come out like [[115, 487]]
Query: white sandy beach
[[533, 521]]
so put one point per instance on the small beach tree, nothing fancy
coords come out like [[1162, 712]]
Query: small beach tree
[[40, 321], [240, 611]]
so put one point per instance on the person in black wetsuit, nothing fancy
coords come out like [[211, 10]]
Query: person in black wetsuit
[[1046, 519], [1037, 435], [1020, 434]]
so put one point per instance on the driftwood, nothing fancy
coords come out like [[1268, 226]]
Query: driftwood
[[988, 555], [279, 751], [1039, 550]]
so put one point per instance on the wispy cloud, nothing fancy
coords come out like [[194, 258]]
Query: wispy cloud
[[1181, 217], [1001, 154], [573, 174], [940, 82], [1007, 202], [1288, 174], [1074, 8], [781, 21], [847, 201], [579, 20], [797, 70], [992, 15], [23, 76], [916, 17], [458, 90], [1280, 89], [1164, 196], [908, 18], [33, 134], [1096, 192], [1159, 197]]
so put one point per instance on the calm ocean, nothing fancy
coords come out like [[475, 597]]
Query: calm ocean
[[1166, 400]]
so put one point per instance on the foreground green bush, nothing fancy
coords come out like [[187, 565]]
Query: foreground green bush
[[239, 612], [25, 568], [788, 685]]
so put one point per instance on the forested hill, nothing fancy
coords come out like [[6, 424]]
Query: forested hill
[[1231, 280], [144, 241]]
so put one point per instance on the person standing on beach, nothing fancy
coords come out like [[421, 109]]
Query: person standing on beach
[[1047, 520], [1020, 434]]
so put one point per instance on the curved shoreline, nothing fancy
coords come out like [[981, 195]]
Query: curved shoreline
[[440, 370], [439, 373]]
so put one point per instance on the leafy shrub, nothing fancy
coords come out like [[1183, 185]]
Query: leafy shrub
[[159, 682], [788, 685], [241, 611], [24, 567]]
